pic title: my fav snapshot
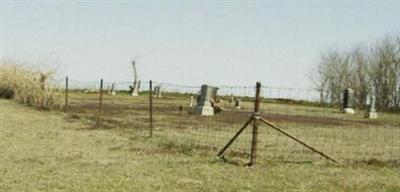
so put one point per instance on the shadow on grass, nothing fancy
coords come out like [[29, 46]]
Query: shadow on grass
[[229, 161], [393, 163]]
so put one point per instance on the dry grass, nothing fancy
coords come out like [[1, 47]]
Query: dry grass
[[40, 151], [27, 85], [348, 139]]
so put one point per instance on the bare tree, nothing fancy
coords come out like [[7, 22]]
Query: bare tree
[[362, 69], [134, 88], [386, 72], [360, 81]]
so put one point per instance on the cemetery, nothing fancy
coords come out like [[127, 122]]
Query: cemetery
[[204, 96], [238, 122], [163, 124], [207, 117]]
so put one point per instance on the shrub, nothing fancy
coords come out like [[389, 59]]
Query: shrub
[[27, 85]]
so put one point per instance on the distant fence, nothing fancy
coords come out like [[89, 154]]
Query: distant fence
[[297, 112]]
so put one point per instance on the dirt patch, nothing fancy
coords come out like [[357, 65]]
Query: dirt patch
[[115, 108], [228, 116], [314, 120]]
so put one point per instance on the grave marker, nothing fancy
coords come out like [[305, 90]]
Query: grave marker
[[371, 113], [348, 101], [157, 91], [191, 101], [205, 100], [238, 103]]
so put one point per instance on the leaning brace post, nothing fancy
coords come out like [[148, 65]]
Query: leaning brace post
[[66, 95], [297, 140], [100, 104], [235, 136], [151, 108], [255, 125]]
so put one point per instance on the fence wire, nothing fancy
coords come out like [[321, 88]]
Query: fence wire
[[344, 137]]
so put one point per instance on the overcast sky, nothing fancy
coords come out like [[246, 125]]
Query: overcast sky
[[226, 43]]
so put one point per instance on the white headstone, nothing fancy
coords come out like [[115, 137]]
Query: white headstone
[[191, 101], [371, 113]]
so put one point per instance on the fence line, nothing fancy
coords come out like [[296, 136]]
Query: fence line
[[307, 94], [347, 138]]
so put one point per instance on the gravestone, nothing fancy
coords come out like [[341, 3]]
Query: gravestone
[[157, 91], [348, 101], [231, 99], [237, 103], [205, 101], [371, 113], [191, 101], [112, 91]]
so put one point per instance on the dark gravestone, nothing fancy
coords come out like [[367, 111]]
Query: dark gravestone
[[237, 103], [348, 101]]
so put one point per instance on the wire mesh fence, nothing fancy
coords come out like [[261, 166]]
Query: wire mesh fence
[[344, 137], [116, 110], [348, 138], [175, 118]]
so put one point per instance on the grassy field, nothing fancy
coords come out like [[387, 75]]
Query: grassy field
[[53, 151]]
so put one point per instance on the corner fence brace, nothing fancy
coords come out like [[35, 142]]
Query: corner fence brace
[[255, 117], [222, 151], [273, 126]]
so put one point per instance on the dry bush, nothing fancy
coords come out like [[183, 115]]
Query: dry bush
[[27, 85]]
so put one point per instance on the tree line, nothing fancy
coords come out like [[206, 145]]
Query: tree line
[[372, 70]]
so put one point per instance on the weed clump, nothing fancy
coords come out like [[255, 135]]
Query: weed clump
[[27, 85]]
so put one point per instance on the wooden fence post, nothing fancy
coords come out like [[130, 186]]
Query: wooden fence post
[[151, 107], [100, 104], [255, 125], [66, 95]]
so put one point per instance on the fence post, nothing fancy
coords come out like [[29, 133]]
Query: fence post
[[151, 107], [66, 95], [255, 125], [100, 104]]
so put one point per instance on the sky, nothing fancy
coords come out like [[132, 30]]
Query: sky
[[190, 43]]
